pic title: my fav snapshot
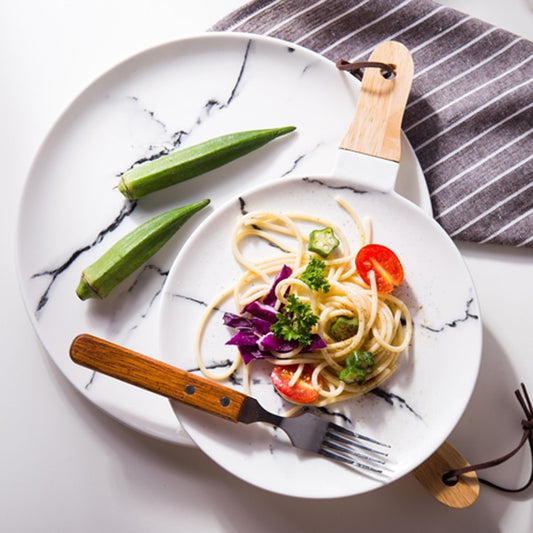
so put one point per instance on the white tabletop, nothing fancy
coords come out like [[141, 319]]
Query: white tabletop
[[67, 466]]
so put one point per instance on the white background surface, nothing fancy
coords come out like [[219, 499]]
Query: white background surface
[[66, 466]]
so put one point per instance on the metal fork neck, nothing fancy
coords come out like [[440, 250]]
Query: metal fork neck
[[251, 411]]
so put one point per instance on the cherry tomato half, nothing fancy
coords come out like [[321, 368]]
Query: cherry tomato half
[[383, 262], [302, 391]]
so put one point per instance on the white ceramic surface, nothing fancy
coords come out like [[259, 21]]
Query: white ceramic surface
[[169, 96], [416, 410]]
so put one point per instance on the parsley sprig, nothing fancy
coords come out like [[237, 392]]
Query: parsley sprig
[[314, 275], [295, 321]]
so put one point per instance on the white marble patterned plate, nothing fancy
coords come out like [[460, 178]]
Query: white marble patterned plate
[[414, 411], [169, 96]]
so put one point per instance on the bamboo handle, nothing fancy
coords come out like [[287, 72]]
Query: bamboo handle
[[376, 126], [430, 472], [156, 376]]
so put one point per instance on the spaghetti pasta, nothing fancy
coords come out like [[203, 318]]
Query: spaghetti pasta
[[380, 322]]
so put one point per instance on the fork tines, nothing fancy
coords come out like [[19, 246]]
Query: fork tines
[[344, 445]]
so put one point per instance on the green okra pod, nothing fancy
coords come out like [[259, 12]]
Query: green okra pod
[[132, 251], [192, 161]]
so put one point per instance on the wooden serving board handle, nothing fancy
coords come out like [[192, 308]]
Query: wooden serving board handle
[[376, 126], [463, 494], [156, 376]]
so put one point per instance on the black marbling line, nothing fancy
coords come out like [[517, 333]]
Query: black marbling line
[[54, 273], [149, 266], [176, 138], [294, 166], [158, 270], [335, 414], [221, 364], [89, 384], [391, 398], [242, 206], [191, 299], [241, 73], [151, 114], [163, 274], [454, 323], [322, 183]]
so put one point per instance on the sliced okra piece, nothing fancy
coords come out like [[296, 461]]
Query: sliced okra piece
[[358, 365], [323, 241], [343, 327]]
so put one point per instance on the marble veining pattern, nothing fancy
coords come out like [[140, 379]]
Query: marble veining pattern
[[175, 139], [155, 102], [55, 272]]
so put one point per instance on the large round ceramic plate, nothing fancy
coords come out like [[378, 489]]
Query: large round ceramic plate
[[414, 411], [174, 95]]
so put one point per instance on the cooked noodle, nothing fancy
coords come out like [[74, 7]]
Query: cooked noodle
[[385, 326]]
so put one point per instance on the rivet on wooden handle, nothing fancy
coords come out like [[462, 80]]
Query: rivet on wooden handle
[[156, 376], [376, 127], [429, 474]]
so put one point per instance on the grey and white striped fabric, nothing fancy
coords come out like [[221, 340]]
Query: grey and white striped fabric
[[470, 113]]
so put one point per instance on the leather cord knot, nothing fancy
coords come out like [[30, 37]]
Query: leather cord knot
[[356, 67], [527, 425], [452, 476]]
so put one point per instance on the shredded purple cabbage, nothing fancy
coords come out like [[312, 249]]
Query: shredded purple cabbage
[[317, 343], [254, 338], [236, 321], [271, 343], [270, 297], [249, 353], [260, 310], [244, 337], [261, 326]]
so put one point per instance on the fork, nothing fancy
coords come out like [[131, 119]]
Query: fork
[[306, 431]]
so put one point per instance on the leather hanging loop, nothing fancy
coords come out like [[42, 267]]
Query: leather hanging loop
[[356, 68], [452, 476]]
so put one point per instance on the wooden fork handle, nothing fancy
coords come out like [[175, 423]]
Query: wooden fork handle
[[156, 376]]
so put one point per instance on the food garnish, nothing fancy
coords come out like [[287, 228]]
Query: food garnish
[[357, 366], [383, 262], [320, 318], [295, 384], [323, 241], [263, 330], [314, 275], [343, 327], [295, 322]]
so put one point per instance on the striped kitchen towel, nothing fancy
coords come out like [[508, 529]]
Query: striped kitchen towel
[[470, 113]]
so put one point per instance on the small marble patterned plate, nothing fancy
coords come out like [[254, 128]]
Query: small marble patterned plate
[[173, 95], [414, 411]]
